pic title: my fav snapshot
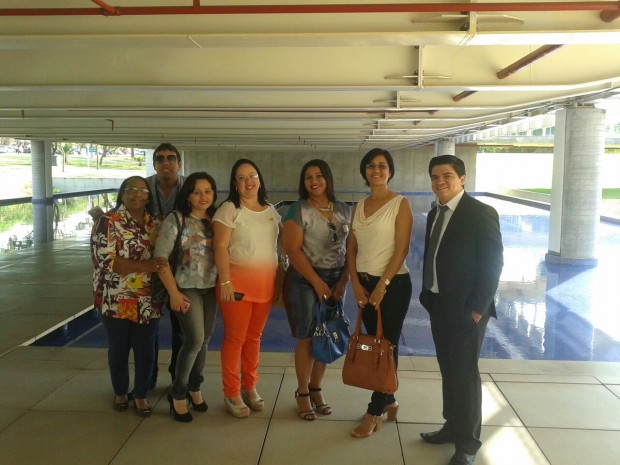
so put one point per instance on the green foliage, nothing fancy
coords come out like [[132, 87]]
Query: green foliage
[[608, 193]]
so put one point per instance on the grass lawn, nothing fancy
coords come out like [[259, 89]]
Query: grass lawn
[[608, 194], [110, 162]]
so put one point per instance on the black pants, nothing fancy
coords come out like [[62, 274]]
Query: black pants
[[394, 307], [176, 341], [457, 344]]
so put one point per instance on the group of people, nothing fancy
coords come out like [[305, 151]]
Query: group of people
[[229, 260]]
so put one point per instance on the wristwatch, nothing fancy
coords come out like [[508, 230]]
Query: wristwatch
[[386, 282]]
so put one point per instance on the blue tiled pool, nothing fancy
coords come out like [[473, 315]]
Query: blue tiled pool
[[544, 312]]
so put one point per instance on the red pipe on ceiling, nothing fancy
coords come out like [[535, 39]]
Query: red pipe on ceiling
[[612, 6], [526, 60], [107, 8]]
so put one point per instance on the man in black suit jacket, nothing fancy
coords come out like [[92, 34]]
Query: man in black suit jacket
[[458, 292]]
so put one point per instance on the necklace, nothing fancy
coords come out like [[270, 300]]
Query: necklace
[[329, 208]]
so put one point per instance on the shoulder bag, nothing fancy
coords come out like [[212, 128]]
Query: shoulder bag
[[158, 290], [331, 333], [369, 363]]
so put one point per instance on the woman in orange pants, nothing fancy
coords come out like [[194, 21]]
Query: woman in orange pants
[[246, 230]]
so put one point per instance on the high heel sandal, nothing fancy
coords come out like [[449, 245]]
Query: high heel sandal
[[202, 407], [369, 425], [181, 417], [323, 409], [237, 411], [308, 415], [391, 410], [257, 404]]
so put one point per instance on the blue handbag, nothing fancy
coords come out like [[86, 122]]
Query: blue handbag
[[331, 333]]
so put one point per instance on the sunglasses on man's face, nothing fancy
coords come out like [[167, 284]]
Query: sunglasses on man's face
[[165, 158]]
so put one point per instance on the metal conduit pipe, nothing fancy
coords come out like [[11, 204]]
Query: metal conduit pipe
[[613, 7]]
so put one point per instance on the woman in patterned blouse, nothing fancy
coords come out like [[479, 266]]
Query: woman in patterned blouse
[[122, 246], [192, 288]]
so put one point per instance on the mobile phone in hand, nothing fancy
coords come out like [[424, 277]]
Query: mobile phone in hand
[[238, 295]]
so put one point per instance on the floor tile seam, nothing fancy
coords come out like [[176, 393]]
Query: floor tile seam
[[24, 412], [597, 382], [579, 429], [512, 407], [271, 418], [400, 442], [42, 399]]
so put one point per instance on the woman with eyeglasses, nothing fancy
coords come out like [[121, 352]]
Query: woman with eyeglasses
[[376, 252], [191, 289], [122, 246], [246, 230], [315, 230]]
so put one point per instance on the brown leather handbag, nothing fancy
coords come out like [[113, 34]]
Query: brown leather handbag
[[369, 363]]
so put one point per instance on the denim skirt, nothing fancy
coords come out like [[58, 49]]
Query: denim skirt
[[299, 299]]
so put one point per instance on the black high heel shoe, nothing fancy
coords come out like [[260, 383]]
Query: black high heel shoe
[[182, 417], [323, 409], [202, 407]]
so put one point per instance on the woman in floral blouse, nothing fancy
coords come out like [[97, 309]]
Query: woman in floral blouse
[[122, 246], [191, 289]]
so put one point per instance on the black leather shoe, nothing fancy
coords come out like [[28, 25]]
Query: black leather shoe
[[460, 458], [437, 437]]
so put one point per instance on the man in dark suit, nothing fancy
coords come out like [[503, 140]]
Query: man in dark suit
[[463, 260]]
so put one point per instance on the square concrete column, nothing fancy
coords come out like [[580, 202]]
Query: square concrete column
[[42, 200], [574, 221]]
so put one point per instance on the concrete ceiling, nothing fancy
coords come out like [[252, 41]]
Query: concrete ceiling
[[322, 74]]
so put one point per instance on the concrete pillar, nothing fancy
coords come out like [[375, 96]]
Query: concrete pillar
[[42, 200], [574, 221], [446, 147]]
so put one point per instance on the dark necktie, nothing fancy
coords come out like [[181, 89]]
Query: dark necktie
[[429, 263]]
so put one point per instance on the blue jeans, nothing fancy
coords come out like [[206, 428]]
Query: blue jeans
[[394, 307], [196, 328], [124, 335]]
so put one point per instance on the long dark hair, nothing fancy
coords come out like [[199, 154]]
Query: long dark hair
[[188, 187], [327, 175], [121, 193], [233, 195]]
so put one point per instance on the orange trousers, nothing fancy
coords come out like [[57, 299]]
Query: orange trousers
[[243, 327]]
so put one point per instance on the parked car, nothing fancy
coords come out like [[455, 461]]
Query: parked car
[[7, 149]]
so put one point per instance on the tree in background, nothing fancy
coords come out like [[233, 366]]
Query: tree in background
[[65, 150]]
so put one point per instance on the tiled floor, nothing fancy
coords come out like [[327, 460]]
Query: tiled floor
[[57, 410], [56, 407]]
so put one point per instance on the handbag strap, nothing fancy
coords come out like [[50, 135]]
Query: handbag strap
[[321, 307], [180, 224], [358, 324]]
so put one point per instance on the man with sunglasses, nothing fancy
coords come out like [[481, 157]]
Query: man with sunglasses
[[165, 185]]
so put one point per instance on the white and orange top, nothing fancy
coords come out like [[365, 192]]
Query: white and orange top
[[252, 249]]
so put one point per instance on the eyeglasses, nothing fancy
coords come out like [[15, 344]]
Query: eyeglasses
[[137, 190], [381, 166], [164, 158], [333, 236], [242, 178]]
